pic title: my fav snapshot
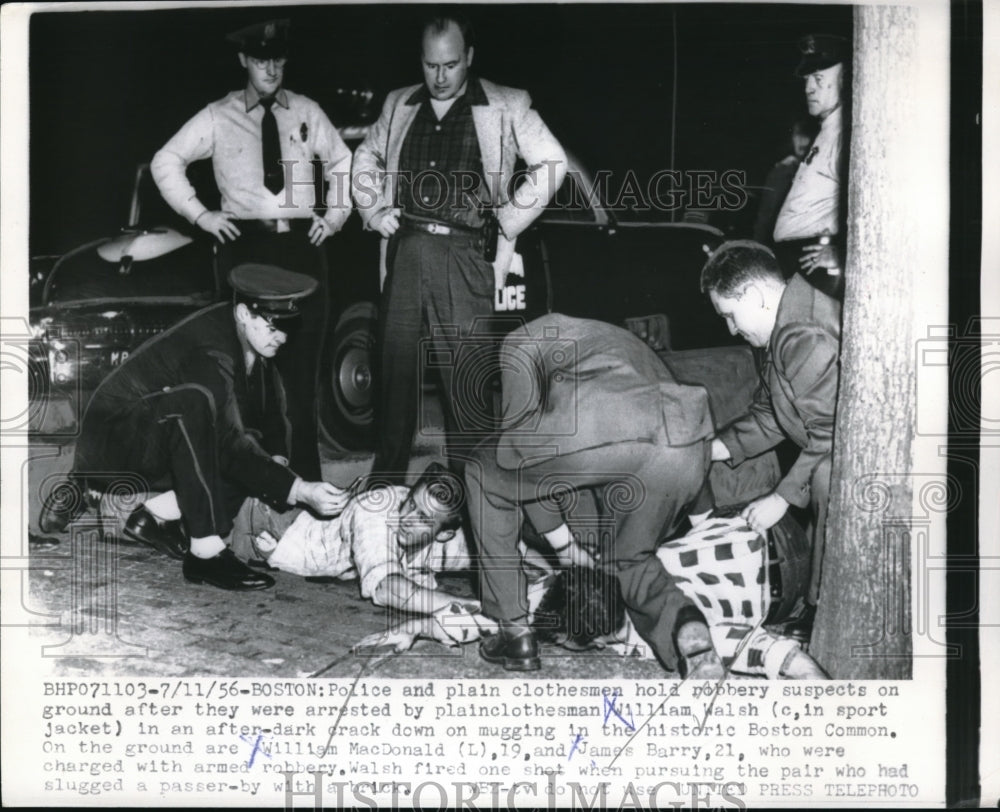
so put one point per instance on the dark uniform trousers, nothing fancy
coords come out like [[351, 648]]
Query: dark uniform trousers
[[647, 485], [184, 413], [166, 440], [435, 289], [299, 360]]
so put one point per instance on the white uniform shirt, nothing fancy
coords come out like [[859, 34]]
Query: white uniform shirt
[[229, 132], [812, 207]]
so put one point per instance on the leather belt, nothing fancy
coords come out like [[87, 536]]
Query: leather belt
[[265, 226], [439, 229]]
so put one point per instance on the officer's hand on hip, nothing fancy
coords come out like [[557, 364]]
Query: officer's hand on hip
[[219, 224], [501, 265], [324, 498], [319, 231], [386, 222], [819, 255], [762, 514]]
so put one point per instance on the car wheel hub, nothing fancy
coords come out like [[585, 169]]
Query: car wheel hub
[[355, 378]]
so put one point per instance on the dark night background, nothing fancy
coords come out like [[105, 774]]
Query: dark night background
[[108, 88]]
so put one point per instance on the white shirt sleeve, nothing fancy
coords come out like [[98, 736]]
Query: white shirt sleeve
[[194, 141], [372, 537]]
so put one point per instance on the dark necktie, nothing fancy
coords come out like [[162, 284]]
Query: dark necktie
[[274, 178]]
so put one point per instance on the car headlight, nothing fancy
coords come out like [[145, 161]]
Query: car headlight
[[63, 364]]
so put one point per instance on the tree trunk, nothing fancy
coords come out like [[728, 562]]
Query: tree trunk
[[863, 623]]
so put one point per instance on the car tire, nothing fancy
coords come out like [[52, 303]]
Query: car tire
[[347, 385]]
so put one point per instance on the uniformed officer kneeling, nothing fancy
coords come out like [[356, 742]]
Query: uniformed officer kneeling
[[199, 410]]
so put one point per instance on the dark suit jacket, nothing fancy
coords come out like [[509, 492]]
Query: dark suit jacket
[[798, 393], [204, 352], [573, 384]]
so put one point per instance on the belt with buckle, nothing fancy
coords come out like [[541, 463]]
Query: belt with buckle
[[439, 229], [275, 226]]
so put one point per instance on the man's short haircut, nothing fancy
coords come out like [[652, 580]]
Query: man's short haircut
[[445, 492], [581, 604], [439, 20], [735, 264]]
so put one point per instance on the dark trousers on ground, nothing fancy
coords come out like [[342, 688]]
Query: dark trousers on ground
[[647, 486], [166, 441], [299, 360], [435, 290]]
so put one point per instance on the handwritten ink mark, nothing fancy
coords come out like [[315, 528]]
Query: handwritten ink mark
[[368, 666], [256, 748], [609, 708]]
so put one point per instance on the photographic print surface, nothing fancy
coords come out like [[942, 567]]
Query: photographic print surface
[[462, 319]]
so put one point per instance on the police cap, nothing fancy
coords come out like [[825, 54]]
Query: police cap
[[267, 40], [821, 51], [268, 290]]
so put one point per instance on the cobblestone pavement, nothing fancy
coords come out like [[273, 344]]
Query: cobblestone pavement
[[110, 608]]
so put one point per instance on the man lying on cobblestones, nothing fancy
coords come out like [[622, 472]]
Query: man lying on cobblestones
[[581, 609], [200, 410], [392, 539]]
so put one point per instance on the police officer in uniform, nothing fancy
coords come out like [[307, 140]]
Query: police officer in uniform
[[809, 236], [262, 141], [199, 410]]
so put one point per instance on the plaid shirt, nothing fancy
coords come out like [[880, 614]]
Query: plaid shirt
[[441, 168]]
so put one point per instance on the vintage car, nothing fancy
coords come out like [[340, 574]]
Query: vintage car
[[100, 301]]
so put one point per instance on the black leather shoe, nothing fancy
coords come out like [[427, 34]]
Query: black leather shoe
[[515, 650], [167, 537], [225, 571], [66, 502]]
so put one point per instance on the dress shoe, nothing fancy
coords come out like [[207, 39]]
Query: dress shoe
[[225, 571], [167, 537], [513, 647], [41, 544], [698, 658], [66, 502]]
